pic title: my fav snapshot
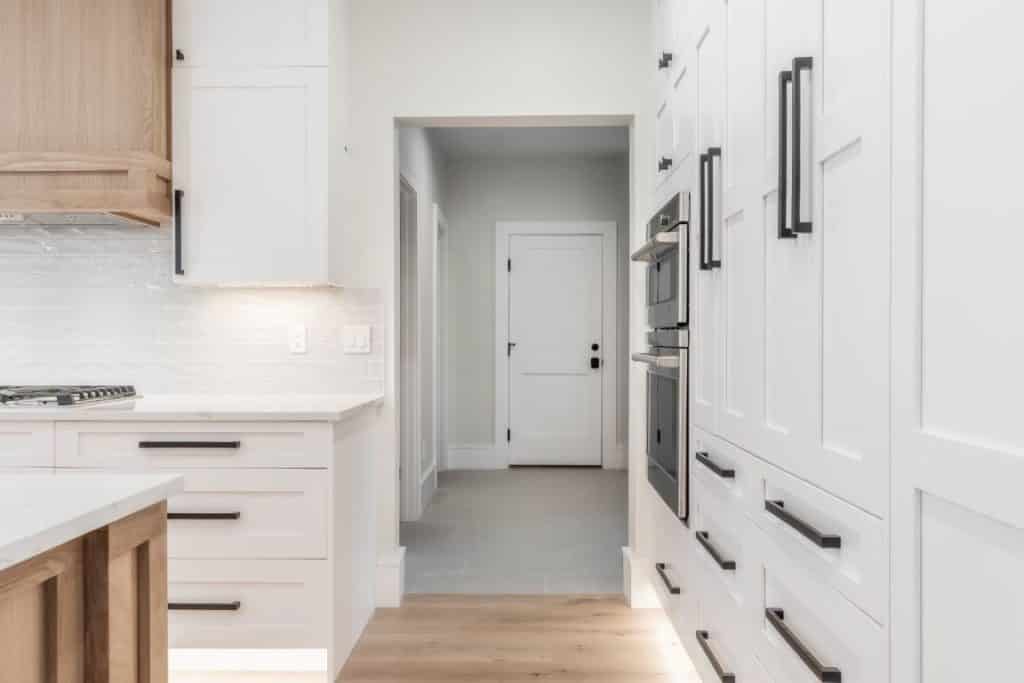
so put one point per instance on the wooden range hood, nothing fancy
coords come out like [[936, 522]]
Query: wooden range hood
[[85, 118]]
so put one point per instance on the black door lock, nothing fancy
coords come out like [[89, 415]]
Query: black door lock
[[595, 363], [594, 347]]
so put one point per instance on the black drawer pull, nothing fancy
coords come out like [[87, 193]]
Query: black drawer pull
[[674, 590], [778, 509], [204, 515], [191, 444], [785, 78], [204, 606], [724, 676], [704, 262], [799, 64], [713, 153], [704, 538], [723, 472], [826, 674], [179, 269]]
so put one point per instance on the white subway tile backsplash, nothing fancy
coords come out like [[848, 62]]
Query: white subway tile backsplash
[[99, 306]]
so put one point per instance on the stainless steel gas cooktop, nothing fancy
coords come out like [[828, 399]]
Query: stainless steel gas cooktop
[[63, 395]]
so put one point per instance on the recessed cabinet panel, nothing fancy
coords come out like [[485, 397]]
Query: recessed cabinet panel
[[251, 160], [243, 33]]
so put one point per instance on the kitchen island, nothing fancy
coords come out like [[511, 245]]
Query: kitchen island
[[83, 577]]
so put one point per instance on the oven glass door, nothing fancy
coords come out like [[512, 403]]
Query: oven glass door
[[667, 435], [663, 291]]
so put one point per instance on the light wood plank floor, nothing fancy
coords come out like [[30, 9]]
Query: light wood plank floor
[[434, 638]]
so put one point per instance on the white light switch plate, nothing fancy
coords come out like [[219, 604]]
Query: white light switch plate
[[356, 339], [297, 339]]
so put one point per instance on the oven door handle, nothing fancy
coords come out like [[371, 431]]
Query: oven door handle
[[657, 361]]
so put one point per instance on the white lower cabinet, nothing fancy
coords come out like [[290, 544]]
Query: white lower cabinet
[[26, 444], [672, 568]]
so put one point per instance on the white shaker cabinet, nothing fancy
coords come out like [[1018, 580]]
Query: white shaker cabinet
[[247, 34], [958, 509]]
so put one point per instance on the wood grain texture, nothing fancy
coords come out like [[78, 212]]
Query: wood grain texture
[[516, 638]]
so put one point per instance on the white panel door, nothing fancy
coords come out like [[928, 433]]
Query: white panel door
[[958, 512], [244, 33], [251, 159], [555, 320]]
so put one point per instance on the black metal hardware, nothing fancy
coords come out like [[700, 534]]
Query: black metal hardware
[[508, 435], [205, 606], [664, 164], [799, 64], [713, 152], [511, 345], [595, 363], [204, 515], [778, 509], [594, 347], [704, 538], [785, 78], [674, 590], [723, 472], [191, 444], [510, 265], [724, 676], [704, 262], [665, 60], [826, 674], [179, 269], [657, 436]]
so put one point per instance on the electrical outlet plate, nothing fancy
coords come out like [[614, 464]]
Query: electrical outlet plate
[[356, 339]]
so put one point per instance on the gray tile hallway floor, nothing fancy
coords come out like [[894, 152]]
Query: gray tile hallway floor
[[528, 531]]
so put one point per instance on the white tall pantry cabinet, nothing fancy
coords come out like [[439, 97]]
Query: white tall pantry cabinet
[[851, 368]]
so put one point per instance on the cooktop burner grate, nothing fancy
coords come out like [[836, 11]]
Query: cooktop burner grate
[[63, 395]]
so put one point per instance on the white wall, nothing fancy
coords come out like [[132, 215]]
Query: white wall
[[480, 193], [98, 306], [476, 58]]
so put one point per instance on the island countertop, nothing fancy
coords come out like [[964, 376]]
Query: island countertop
[[40, 511], [200, 407]]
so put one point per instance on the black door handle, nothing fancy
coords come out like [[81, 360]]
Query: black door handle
[[778, 509], [665, 60], [664, 164], [799, 64], [704, 538], [826, 674], [190, 444], [704, 263], [713, 153], [205, 606], [785, 78], [595, 363], [724, 676], [179, 268], [673, 589], [723, 472], [204, 515]]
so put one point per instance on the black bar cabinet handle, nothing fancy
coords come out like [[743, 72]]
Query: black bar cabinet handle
[[704, 262], [179, 268], [799, 64], [704, 538], [723, 472], [665, 60], [673, 589], [778, 509], [205, 606], [826, 674], [724, 676], [713, 153], [664, 164], [785, 78], [191, 444], [204, 515]]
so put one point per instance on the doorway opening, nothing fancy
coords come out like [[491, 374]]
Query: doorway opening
[[517, 377]]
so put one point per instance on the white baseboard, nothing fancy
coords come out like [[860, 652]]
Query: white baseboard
[[391, 578], [637, 579], [476, 457], [616, 457]]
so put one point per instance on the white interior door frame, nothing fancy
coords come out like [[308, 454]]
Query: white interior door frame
[[608, 230], [409, 380]]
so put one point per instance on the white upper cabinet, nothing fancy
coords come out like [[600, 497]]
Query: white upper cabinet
[[251, 166], [244, 33], [958, 515]]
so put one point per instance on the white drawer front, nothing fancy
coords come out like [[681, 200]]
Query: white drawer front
[[725, 549], [26, 444], [183, 445], [263, 514], [859, 568], [724, 641], [673, 551], [822, 624], [248, 603], [723, 471]]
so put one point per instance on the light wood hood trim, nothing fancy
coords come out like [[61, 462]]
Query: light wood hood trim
[[64, 162]]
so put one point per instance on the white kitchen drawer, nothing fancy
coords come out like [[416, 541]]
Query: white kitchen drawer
[[823, 625], [184, 445], [676, 583], [280, 514], [859, 568], [723, 471], [249, 603], [26, 444], [724, 641]]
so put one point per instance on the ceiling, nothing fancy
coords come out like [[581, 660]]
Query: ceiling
[[532, 143]]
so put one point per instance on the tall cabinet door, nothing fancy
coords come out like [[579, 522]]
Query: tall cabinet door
[[741, 388], [827, 284], [958, 512], [250, 159], [709, 68]]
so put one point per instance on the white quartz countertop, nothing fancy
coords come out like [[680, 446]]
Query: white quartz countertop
[[40, 511], [189, 407]]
